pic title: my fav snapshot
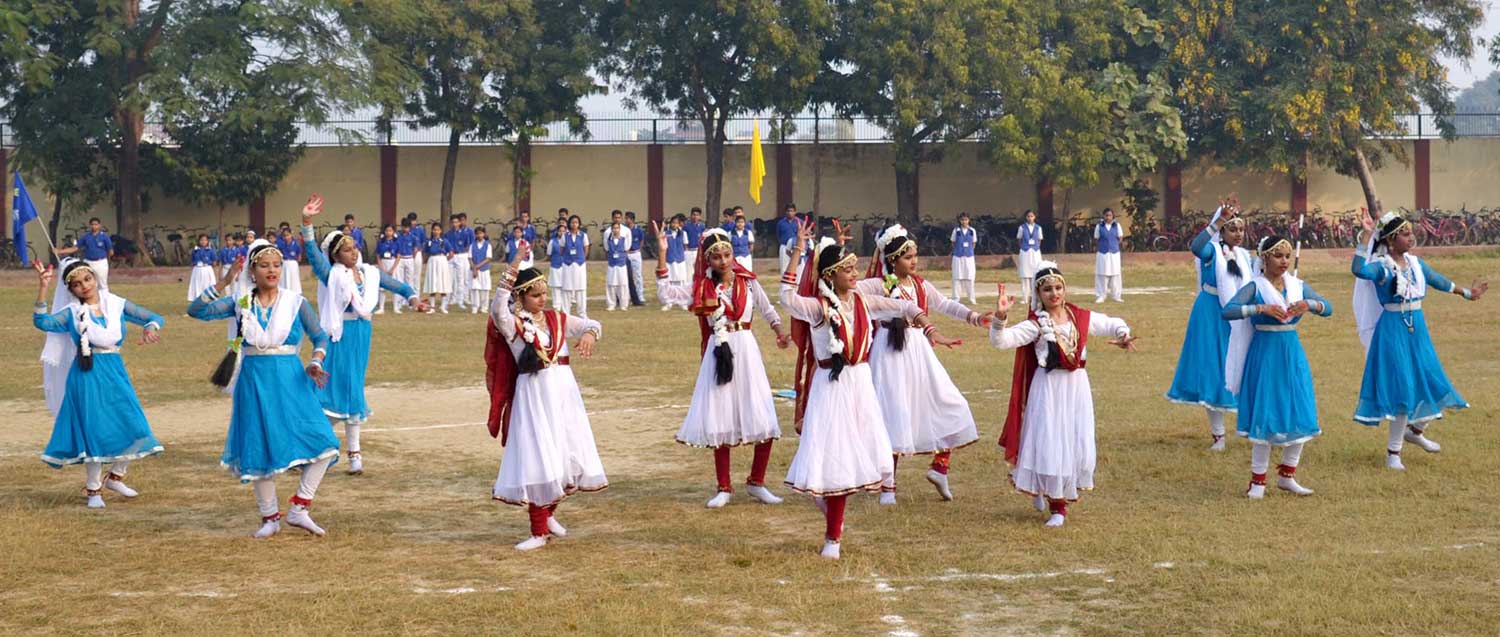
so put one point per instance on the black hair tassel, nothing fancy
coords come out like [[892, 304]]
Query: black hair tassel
[[896, 334], [225, 371], [723, 364], [836, 365], [530, 361]]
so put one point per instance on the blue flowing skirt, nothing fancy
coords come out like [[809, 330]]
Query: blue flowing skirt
[[343, 398], [1199, 379], [100, 419], [276, 423], [1277, 405], [1403, 375]]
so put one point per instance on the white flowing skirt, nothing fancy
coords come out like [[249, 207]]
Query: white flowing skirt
[[575, 277], [1026, 262], [291, 277], [844, 446], [617, 275], [482, 280], [924, 411], [1106, 264], [739, 412], [963, 268], [549, 450], [439, 277], [201, 278], [555, 277], [1057, 436]]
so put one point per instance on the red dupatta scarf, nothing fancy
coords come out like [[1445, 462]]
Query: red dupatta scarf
[[706, 296], [500, 371], [1025, 369]]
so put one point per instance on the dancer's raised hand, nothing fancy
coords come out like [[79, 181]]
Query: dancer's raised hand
[[1126, 343], [311, 209], [1003, 302]]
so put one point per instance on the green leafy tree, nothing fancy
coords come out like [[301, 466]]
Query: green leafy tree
[[708, 62], [486, 69]]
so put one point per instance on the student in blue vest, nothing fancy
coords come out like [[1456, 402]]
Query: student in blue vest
[[528, 231], [291, 254], [354, 231], [514, 245], [461, 239], [676, 260], [420, 233], [97, 250], [438, 283], [742, 238], [1028, 253], [964, 238], [481, 255], [385, 255], [203, 276], [633, 259], [786, 235], [1107, 278], [575, 268], [694, 229], [557, 252], [224, 256], [408, 259], [617, 277]]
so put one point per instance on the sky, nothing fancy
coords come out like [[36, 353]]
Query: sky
[[1478, 66]]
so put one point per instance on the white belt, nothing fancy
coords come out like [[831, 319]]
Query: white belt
[[1403, 307], [95, 349], [1210, 289], [352, 315], [1275, 328], [279, 350]]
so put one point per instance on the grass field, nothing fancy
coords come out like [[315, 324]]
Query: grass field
[[1167, 544]]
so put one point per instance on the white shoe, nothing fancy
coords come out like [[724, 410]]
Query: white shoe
[[1256, 492], [356, 463], [267, 529], [1422, 441], [96, 501], [532, 543], [830, 550], [1098, 299], [1288, 483], [887, 498], [120, 488], [380, 311], [445, 310], [1393, 462], [941, 482], [556, 528], [1218, 444], [719, 500], [665, 308], [299, 518], [1055, 520], [397, 310], [760, 492]]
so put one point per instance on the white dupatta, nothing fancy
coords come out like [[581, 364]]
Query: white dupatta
[[342, 292], [1366, 303], [279, 325], [1234, 363], [61, 349]]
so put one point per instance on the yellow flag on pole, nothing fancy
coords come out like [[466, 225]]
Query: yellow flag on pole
[[757, 164]]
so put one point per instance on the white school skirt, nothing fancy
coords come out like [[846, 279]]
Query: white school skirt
[[201, 278], [739, 412], [963, 268], [1106, 264], [1026, 263], [617, 275], [844, 447], [482, 280], [575, 276], [439, 276], [747, 262]]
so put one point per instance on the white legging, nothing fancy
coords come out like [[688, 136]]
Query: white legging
[[1111, 283], [1397, 438], [1216, 422], [1028, 284], [1260, 456], [480, 298], [93, 473], [617, 296], [576, 303], [265, 488], [963, 289]]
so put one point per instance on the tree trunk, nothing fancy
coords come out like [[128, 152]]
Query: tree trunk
[[132, 126], [1058, 232], [908, 167], [57, 201], [817, 200], [714, 186], [450, 167], [1367, 184], [520, 173]]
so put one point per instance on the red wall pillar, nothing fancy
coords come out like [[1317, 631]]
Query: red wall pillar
[[1172, 205], [655, 173], [1422, 150], [388, 163], [1299, 191], [258, 215], [783, 177], [4, 193]]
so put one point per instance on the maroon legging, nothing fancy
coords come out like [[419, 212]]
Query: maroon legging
[[539, 517], [758, 466]]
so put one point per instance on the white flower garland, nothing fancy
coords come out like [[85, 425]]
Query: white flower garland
[[1403, 285], [530, 334], [835, 318], [1047, 337], [719, 319]]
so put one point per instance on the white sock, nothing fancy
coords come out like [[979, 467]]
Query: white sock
[[93, 476], [265, 496], [1260, 458], [1396, 439], [351, 437], [1216, 422], [312, 476]]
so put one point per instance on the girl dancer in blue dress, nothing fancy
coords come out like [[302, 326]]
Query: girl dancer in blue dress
[[348, 294], [1277, 406], [1404, 381], [1223, 267], [275, 423], [98, 419]]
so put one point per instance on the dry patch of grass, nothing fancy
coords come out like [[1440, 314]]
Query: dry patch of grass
[[1167, 545]]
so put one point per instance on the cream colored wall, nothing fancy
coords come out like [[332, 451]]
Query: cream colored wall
[[685, 173], [1463, 174], [482, 183], [589, 181], [1331, 192], [1204, 184], [857, 179]]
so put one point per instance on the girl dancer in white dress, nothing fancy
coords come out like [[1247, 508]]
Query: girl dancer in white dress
[[536, 408], [732, 402], [844, 448], [924, 412], [1049, 431]]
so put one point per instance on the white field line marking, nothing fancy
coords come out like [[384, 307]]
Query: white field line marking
[[481, 422]]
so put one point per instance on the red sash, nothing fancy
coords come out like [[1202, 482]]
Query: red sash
[[501, 373], [706, 300], [1025, 368]]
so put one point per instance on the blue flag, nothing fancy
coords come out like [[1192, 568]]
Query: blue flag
[[22, 211]]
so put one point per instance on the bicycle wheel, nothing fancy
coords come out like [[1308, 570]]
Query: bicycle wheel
[[1160, 243]]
